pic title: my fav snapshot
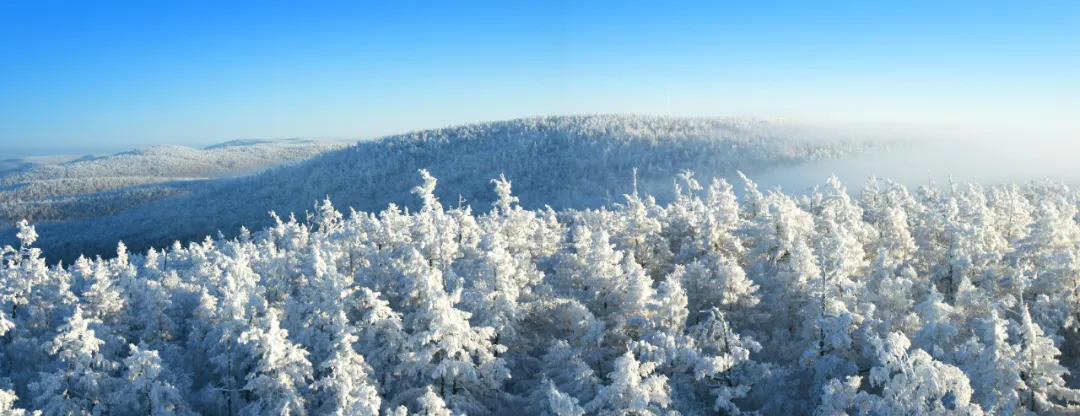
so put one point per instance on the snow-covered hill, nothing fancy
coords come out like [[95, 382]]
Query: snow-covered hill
[[564, 162], [61, 188], [168, 161]]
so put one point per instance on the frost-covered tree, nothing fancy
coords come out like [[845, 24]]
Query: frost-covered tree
[[1012, 212], [430, 404], [939, 333], [631, 302], [913, 383], [722, 351], [432, 229], [1052, 248], [82, 382], [753, 202], [593, 270], [723, 221], [640, 232], [381, 336], [443, 347], [669, 309], [281, 374], [501, 283], [565, 367], [792, 294], [1040, 370], [225, 310], [773, 234], [894, 246], [559, 403], [346, 388], [325, 218], [633, 390], [994, 368], [147, 389]]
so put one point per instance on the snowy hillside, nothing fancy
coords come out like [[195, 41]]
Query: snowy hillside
[[891, 302], [564, 162], [167, 161], [45, 189]]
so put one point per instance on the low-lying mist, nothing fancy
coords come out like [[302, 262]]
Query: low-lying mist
[[919, 156]]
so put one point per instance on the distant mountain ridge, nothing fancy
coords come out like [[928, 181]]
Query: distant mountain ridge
[[295, 142], [62, 188], [171, 161], [562, 161], [19, 164]]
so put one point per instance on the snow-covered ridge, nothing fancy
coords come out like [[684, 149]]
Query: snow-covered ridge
[[264, 142], [66, 188], [561, 161], [27, 163], [177, 161]]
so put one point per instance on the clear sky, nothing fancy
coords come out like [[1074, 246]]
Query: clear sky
[[115, 74]]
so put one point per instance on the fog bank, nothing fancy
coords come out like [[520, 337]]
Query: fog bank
[[983, 155]]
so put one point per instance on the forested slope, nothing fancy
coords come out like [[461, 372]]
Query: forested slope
[[167, 161], [564, 162], [69, 188]]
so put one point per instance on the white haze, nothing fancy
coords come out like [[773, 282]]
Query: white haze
[[986, 155]]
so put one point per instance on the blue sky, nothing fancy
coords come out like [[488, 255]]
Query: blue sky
[[119, 74]]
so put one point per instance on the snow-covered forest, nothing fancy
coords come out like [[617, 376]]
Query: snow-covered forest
[[888, 301], [561, 161], [44, 189]]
